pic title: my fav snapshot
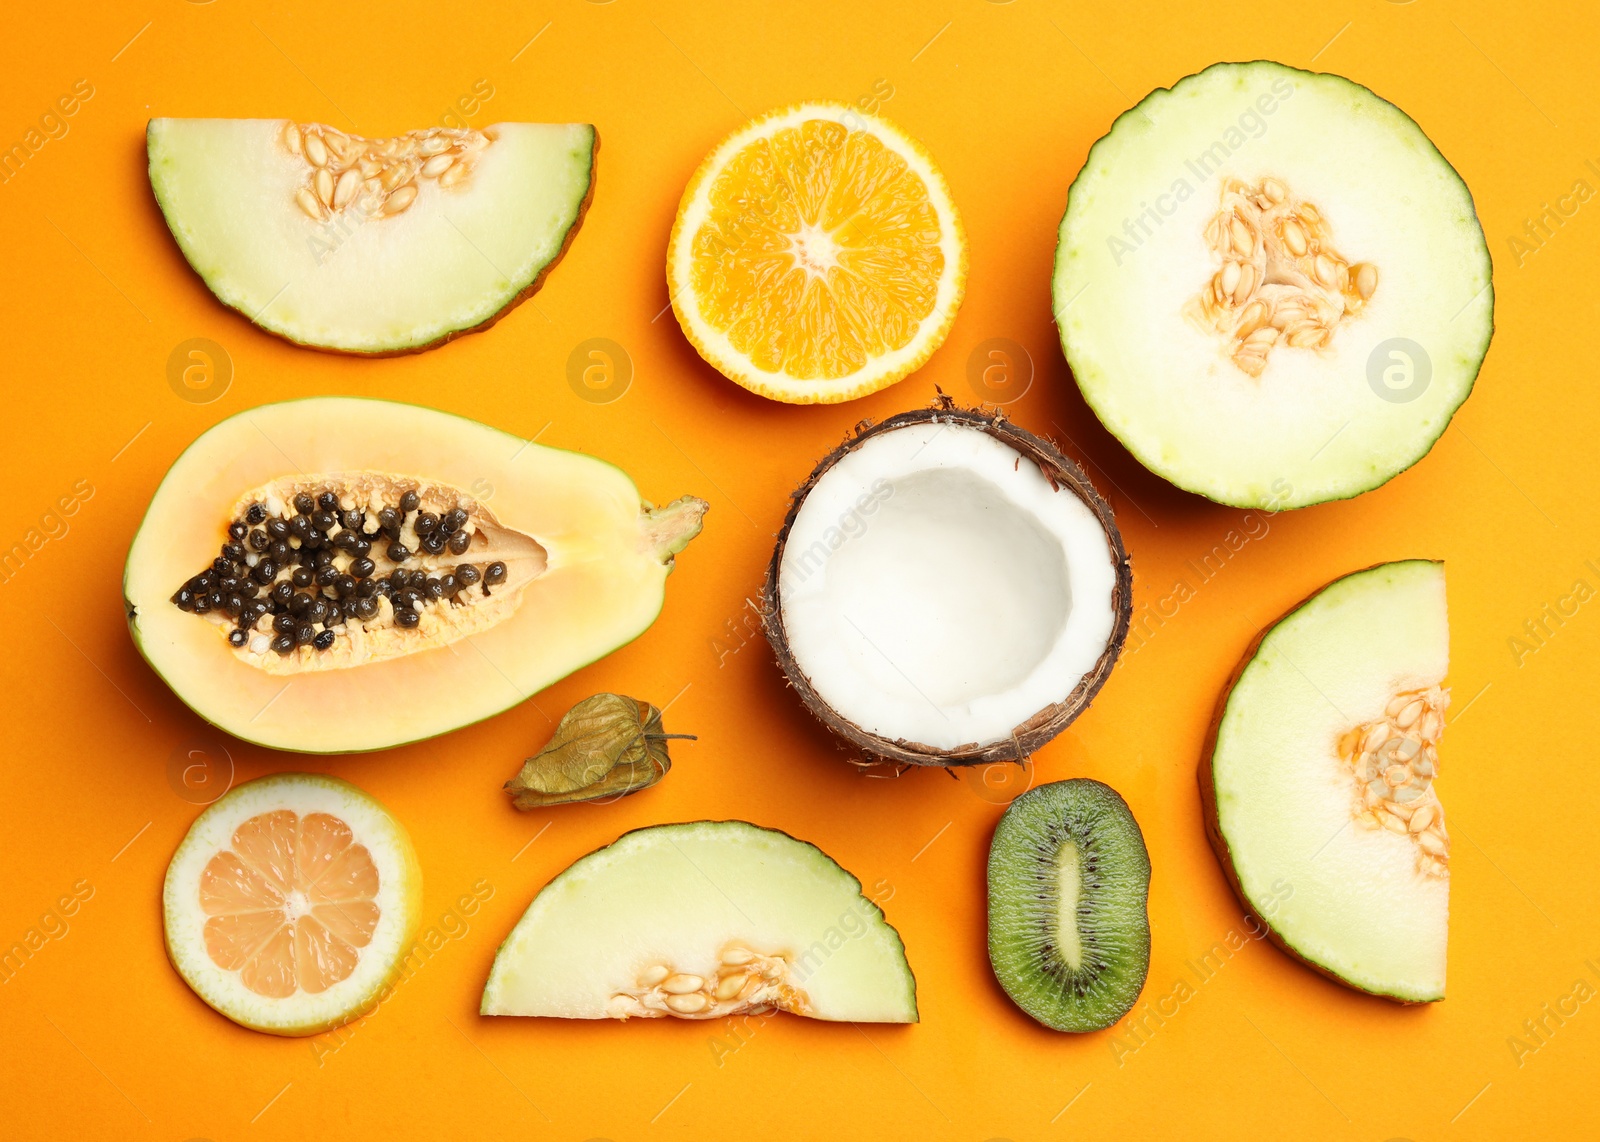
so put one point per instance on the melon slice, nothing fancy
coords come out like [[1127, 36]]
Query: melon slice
[[1318, 781], [699, 921], [1271, 287], [291, 903], [340, 574], [370, 245]]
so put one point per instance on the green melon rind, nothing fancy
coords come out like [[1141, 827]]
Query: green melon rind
[[520, 291], [133, 618], [1088, 377], [1208, 787], [491, 987], [1008, 879]]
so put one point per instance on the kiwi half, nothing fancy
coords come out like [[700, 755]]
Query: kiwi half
[[1069, 877]]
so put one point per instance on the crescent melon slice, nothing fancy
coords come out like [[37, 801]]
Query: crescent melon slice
[[699, 921], [370, 246]]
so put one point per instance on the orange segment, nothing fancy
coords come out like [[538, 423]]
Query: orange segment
[[270, 971], [227, 885], [350, 876], [321, 959], [231, 940], [266, 843], [322, 838], [290, 902], [353, 921], [825, 263]]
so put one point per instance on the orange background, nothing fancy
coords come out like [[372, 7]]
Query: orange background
[[99, 1037]]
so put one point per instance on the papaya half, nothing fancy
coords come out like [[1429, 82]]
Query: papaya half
[[341, 574]]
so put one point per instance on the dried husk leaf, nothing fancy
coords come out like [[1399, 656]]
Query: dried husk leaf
[[606, 746]]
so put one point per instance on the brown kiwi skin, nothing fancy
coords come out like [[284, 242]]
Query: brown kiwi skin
[[1028, 737], [1213, 827]]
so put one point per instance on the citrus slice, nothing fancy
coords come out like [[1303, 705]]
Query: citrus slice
[[817, 256], [291, 903]]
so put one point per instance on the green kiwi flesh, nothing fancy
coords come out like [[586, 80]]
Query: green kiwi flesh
[[1069, 878]]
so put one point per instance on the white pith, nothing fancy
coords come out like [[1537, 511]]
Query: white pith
[[662, 911], [715, 344], [1311, 427], [366, 282], [398, 901], [936, 589], [1354, 900]]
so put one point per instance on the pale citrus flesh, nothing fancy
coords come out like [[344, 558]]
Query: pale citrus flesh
[[817, 256], [290, 903]]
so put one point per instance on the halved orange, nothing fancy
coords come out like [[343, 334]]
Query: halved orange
[[291, 903], [817, 256]]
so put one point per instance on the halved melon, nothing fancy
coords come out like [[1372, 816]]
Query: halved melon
[[340, 574], [1271, 286], [1318, 781], [370, 245], [698, 921]]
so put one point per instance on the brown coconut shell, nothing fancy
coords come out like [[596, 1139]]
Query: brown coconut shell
[[1062, 474], [1213, 825]]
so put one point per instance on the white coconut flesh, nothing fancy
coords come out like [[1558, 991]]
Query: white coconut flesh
[[1271, 287], [936, 589], [700, 921], [1323, 774], [369, 245]]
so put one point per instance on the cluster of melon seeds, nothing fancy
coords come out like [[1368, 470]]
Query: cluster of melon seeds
[[378, 178], [1393, 761], [1280, 280], [744, 981], [339, 571]]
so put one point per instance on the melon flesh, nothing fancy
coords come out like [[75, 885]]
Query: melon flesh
[[1318, 423], [673, 900], [1348, 899], [452, 261]]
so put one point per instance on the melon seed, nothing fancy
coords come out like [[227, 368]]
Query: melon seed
[[1304, 287], [1393, 761]]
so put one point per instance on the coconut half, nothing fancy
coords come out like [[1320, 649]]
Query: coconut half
[[948, 589]]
